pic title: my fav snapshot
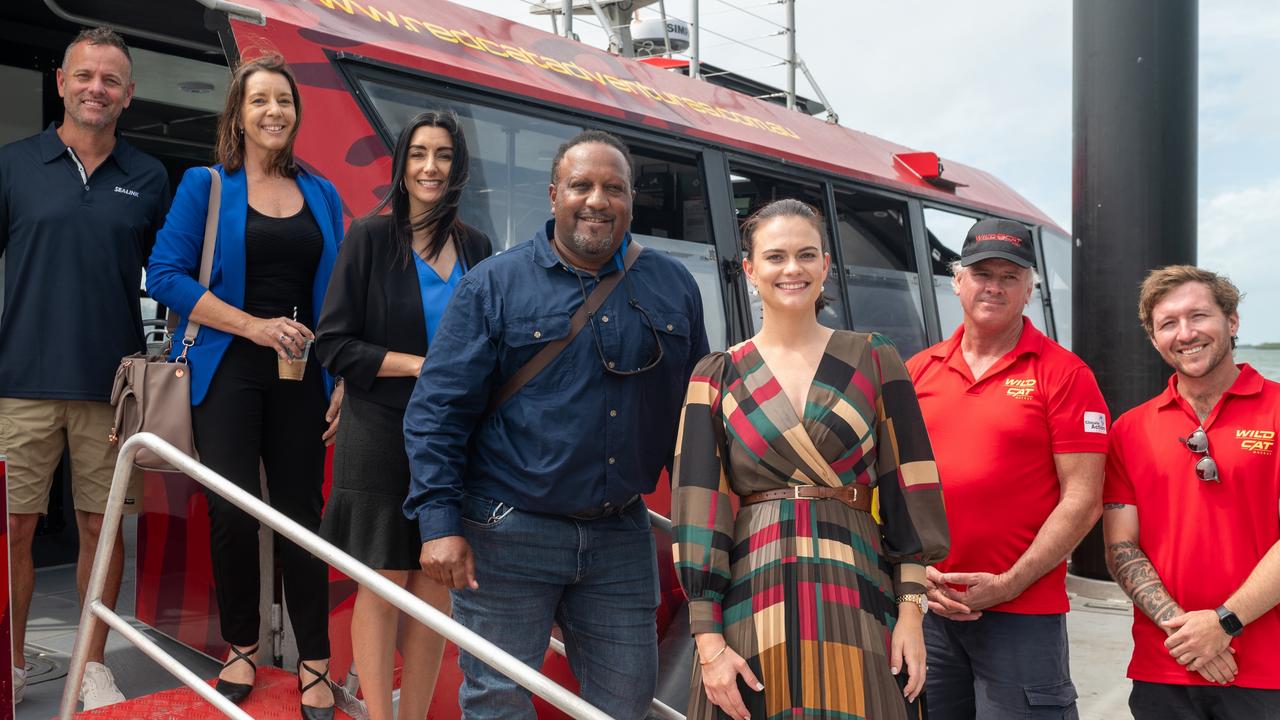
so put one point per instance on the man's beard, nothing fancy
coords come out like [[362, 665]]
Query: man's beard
[[587, 246]]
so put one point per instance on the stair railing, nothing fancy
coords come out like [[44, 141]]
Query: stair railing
[[95, 611]]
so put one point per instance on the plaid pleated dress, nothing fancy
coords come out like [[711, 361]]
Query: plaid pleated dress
[[805, 590]]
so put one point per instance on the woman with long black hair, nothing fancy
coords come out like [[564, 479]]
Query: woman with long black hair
[[393, 278]]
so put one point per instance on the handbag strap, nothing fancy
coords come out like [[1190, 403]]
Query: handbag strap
[[206, 254], [551, 350]]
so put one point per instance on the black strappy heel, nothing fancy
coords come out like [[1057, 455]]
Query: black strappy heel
[[233, 691], [310, 712]]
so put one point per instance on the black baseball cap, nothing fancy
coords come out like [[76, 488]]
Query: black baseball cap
[[997, 238]]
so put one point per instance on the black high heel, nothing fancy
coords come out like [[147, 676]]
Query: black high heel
[[310, 712], [233, 691]]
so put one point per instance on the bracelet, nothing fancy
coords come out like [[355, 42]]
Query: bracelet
[[715, 657]]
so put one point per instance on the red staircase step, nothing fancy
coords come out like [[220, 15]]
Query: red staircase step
[[275, 696]]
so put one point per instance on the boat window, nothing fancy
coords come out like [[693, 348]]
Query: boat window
[[506, 197], [511, 154], [670, 215], [753, 190], [1035, 310], [946, 235], [879, 268], [1057, 273], [947, 231]]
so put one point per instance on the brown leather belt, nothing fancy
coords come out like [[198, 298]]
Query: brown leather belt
[[855, 496]]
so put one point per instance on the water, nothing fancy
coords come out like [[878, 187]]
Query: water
[[1266, 362]]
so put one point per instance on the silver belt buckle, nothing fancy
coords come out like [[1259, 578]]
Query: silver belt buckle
[[795, 493]]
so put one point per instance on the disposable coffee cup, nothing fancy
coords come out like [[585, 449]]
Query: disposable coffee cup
[[293, 369]]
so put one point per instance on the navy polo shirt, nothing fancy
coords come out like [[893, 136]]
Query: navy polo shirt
[[74, 249]]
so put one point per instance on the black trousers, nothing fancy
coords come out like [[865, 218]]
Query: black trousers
[[1158, 701], [249, 414]]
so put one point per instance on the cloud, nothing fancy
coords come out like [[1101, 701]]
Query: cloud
[[1237, 228]]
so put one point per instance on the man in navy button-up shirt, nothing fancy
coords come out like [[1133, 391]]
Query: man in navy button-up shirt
[[530, 513]]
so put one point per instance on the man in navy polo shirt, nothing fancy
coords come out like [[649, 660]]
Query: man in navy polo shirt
[[79, 208]]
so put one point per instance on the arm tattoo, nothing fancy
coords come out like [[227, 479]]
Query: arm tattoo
[[1114, 506], [1135, 574]]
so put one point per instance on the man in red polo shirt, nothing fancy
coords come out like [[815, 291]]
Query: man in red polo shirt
[[1019, 432], [1192, 520]]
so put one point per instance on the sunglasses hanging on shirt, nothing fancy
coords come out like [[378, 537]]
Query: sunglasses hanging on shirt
[[1198, 442]]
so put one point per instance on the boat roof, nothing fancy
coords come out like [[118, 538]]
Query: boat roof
[[505, 56]]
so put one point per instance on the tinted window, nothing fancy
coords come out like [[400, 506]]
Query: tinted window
[[879, 268], [511, 155], [670, 215], [507, 198], [946, 232], [1057, 274], [752, 191]]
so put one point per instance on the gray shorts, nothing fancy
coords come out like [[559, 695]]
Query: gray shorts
[[999, 667]]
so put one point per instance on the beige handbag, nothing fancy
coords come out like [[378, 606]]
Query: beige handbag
[[152, 394]]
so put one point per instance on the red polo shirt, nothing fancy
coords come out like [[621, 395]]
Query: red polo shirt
[[1204, 538], [994, 439]]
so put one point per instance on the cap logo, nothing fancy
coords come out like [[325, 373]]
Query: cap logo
[[1002, 237]]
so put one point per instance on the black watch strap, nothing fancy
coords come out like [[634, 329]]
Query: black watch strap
[[1231, 624]]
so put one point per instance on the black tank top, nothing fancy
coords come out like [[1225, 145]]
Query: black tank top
[[281, 255]]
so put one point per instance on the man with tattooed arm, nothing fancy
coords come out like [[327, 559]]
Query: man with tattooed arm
[[1191, 517]]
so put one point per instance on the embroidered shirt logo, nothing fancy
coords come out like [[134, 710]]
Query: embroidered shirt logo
[[1020, 388], [127, 191], [1258, 442], [1095, 422]]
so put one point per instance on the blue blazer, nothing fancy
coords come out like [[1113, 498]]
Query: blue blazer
[[174, 268]]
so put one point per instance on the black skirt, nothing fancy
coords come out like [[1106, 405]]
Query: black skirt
[[370, 484]]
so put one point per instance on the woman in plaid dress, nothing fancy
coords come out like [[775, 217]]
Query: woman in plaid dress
[[802, 605]]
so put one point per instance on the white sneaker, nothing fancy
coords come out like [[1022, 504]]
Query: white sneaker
[[19, 684], [99, 687]]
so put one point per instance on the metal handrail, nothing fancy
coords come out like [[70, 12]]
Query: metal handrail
[[410, 605], [660, 521], [657, 708]]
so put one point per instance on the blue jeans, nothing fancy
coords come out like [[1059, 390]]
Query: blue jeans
[[1001, 666], [598, 579]]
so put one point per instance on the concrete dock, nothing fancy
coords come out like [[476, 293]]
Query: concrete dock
[[1098, 628]]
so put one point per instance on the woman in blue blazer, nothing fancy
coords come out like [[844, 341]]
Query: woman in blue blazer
[[278, 233]]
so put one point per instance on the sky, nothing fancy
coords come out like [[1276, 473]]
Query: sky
[[988, 84]]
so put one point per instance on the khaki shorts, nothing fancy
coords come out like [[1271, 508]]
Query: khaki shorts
[[33, 434]]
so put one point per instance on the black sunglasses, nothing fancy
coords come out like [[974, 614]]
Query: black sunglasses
[[609, 365], [1198, 442]]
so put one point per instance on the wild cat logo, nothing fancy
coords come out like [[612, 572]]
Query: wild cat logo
[[1258, 442], [1020, 388]]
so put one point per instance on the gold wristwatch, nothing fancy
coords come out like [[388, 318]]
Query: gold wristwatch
[[918, 599]]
